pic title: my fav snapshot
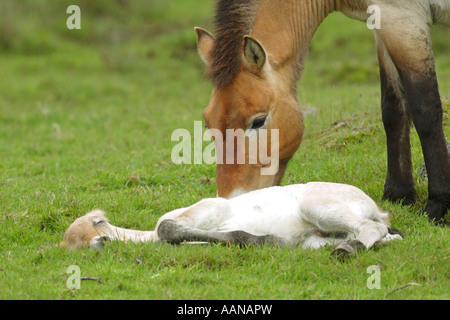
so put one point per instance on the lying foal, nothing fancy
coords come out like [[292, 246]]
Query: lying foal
[[311, 215]]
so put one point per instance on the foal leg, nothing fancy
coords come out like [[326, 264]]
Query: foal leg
[[174, 232], [334, 216], [405, 34], [200, 222], [367, 232]]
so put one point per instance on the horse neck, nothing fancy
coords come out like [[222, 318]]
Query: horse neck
[[286, 28], [122, 234]]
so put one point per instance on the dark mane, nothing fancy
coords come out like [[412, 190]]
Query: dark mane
[[233, 20]]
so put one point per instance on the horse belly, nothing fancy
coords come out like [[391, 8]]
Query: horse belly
[[281, 220]]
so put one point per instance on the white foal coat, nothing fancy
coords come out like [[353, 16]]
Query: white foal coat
[[311, 215]]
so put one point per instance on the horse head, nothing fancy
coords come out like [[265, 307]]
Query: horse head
[[257, 102]]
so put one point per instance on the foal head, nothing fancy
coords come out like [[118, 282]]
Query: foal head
[[258, 102]]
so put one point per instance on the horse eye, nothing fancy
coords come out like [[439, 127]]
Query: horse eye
[[259, 122]]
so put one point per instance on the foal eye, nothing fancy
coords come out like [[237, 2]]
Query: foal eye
[[259, 122]]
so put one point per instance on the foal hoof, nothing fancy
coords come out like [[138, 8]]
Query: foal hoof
[[347, 249], [393, 231]]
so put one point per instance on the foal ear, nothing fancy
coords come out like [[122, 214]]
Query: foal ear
[[205, 44], [254, 55]]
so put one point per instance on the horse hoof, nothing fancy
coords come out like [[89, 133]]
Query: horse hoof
[[346, 249], [393, 231], [436, 212]]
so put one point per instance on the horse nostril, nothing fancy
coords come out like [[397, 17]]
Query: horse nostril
[[105, 239]]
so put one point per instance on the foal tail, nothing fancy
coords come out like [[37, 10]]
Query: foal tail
[[93, 229], [384, 218]]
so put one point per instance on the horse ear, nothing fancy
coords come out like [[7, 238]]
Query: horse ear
[[254, 55], [205, 44]]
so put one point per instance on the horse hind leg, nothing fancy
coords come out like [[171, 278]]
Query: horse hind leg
[[406, 36], [368, 232], [399, 185], [335, 216], [365, 240]]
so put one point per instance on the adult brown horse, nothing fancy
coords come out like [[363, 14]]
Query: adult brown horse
[[257, 57]]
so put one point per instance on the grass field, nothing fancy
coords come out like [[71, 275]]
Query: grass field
[[86, 118]]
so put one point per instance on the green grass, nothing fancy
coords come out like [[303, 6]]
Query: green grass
[[86, 118]]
